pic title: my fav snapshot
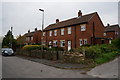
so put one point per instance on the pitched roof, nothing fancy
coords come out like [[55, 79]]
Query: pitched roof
[[69, 22], [112, 28], [29, 34]]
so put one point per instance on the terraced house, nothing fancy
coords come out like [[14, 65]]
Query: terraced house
[[75, 32], [112, 31], [29, 38]]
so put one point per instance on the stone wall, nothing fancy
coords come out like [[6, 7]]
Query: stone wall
[[69, 57]]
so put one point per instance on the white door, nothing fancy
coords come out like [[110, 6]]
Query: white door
[[69, 45]]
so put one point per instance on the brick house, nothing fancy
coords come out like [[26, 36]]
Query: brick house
[[33, 37], [75, 32], [112, 31]]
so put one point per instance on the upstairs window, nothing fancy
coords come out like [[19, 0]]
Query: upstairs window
[[69, 30], [62, 43], [83, 27], [43, 33], [62, 31], [50, 33], [55, 32]]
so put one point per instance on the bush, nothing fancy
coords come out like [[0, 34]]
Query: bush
[[106, 57], [34, 47], [116, 43], [56, 49]]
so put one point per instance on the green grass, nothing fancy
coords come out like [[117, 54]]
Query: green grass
[[106, 57]]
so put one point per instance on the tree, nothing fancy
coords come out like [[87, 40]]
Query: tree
[[9, 41]]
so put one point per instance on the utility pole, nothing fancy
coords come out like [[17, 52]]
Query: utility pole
[[11, 36]]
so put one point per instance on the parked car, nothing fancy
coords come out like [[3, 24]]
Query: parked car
[[7, 52]]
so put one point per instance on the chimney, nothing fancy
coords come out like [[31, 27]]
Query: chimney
[[79, 13], [108, 25], [35, 29], [57, 20], [28, 31]]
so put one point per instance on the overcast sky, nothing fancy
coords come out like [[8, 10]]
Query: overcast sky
[[23, 16]]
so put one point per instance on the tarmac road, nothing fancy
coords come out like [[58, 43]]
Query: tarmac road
[[15, 67]]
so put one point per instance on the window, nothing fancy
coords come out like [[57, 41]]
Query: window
[[69, 30], [104, 34], [50, 43], [44, 42], [31, 38], [81, 42], [27, 38], [55, 32], [50, 33], [55, 43], [43, 33], [116, 32], [62, 43], [109, 41], [85, 41], [62, 31], [83, 27]]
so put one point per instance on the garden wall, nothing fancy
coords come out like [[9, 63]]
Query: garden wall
[[63, 56]]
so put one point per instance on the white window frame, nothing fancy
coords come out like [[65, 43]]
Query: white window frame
[[104, 34], [55, 43], [62, 42], [62, 31], [69, 30], [32, 38], [50, 33], [50, 42], [81, 42], [55, 32], [109, 41], [44, 42], [83, 27], [85, 41], [43, 33]]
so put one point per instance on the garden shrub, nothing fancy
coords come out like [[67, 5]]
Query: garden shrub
[[34, 47], [106, 57], [116, 43], [56, 49]]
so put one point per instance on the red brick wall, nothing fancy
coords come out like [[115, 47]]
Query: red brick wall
[[59, 37], [76, 30], [37, 37], [110, 35]]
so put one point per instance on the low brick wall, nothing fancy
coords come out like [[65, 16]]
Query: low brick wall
[[69, 57]]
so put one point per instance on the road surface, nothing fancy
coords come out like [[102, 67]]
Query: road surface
[[15, 67]]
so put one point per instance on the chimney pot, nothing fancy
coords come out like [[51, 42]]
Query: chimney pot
[[108, 25], [35, 29], [79, 13], [57, 20], [28, 31]]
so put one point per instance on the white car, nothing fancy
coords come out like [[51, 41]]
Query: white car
[[7, 51]]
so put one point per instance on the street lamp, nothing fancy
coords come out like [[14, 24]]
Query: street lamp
[[42, 28]]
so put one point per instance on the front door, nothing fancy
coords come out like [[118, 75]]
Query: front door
[[69, 45]]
